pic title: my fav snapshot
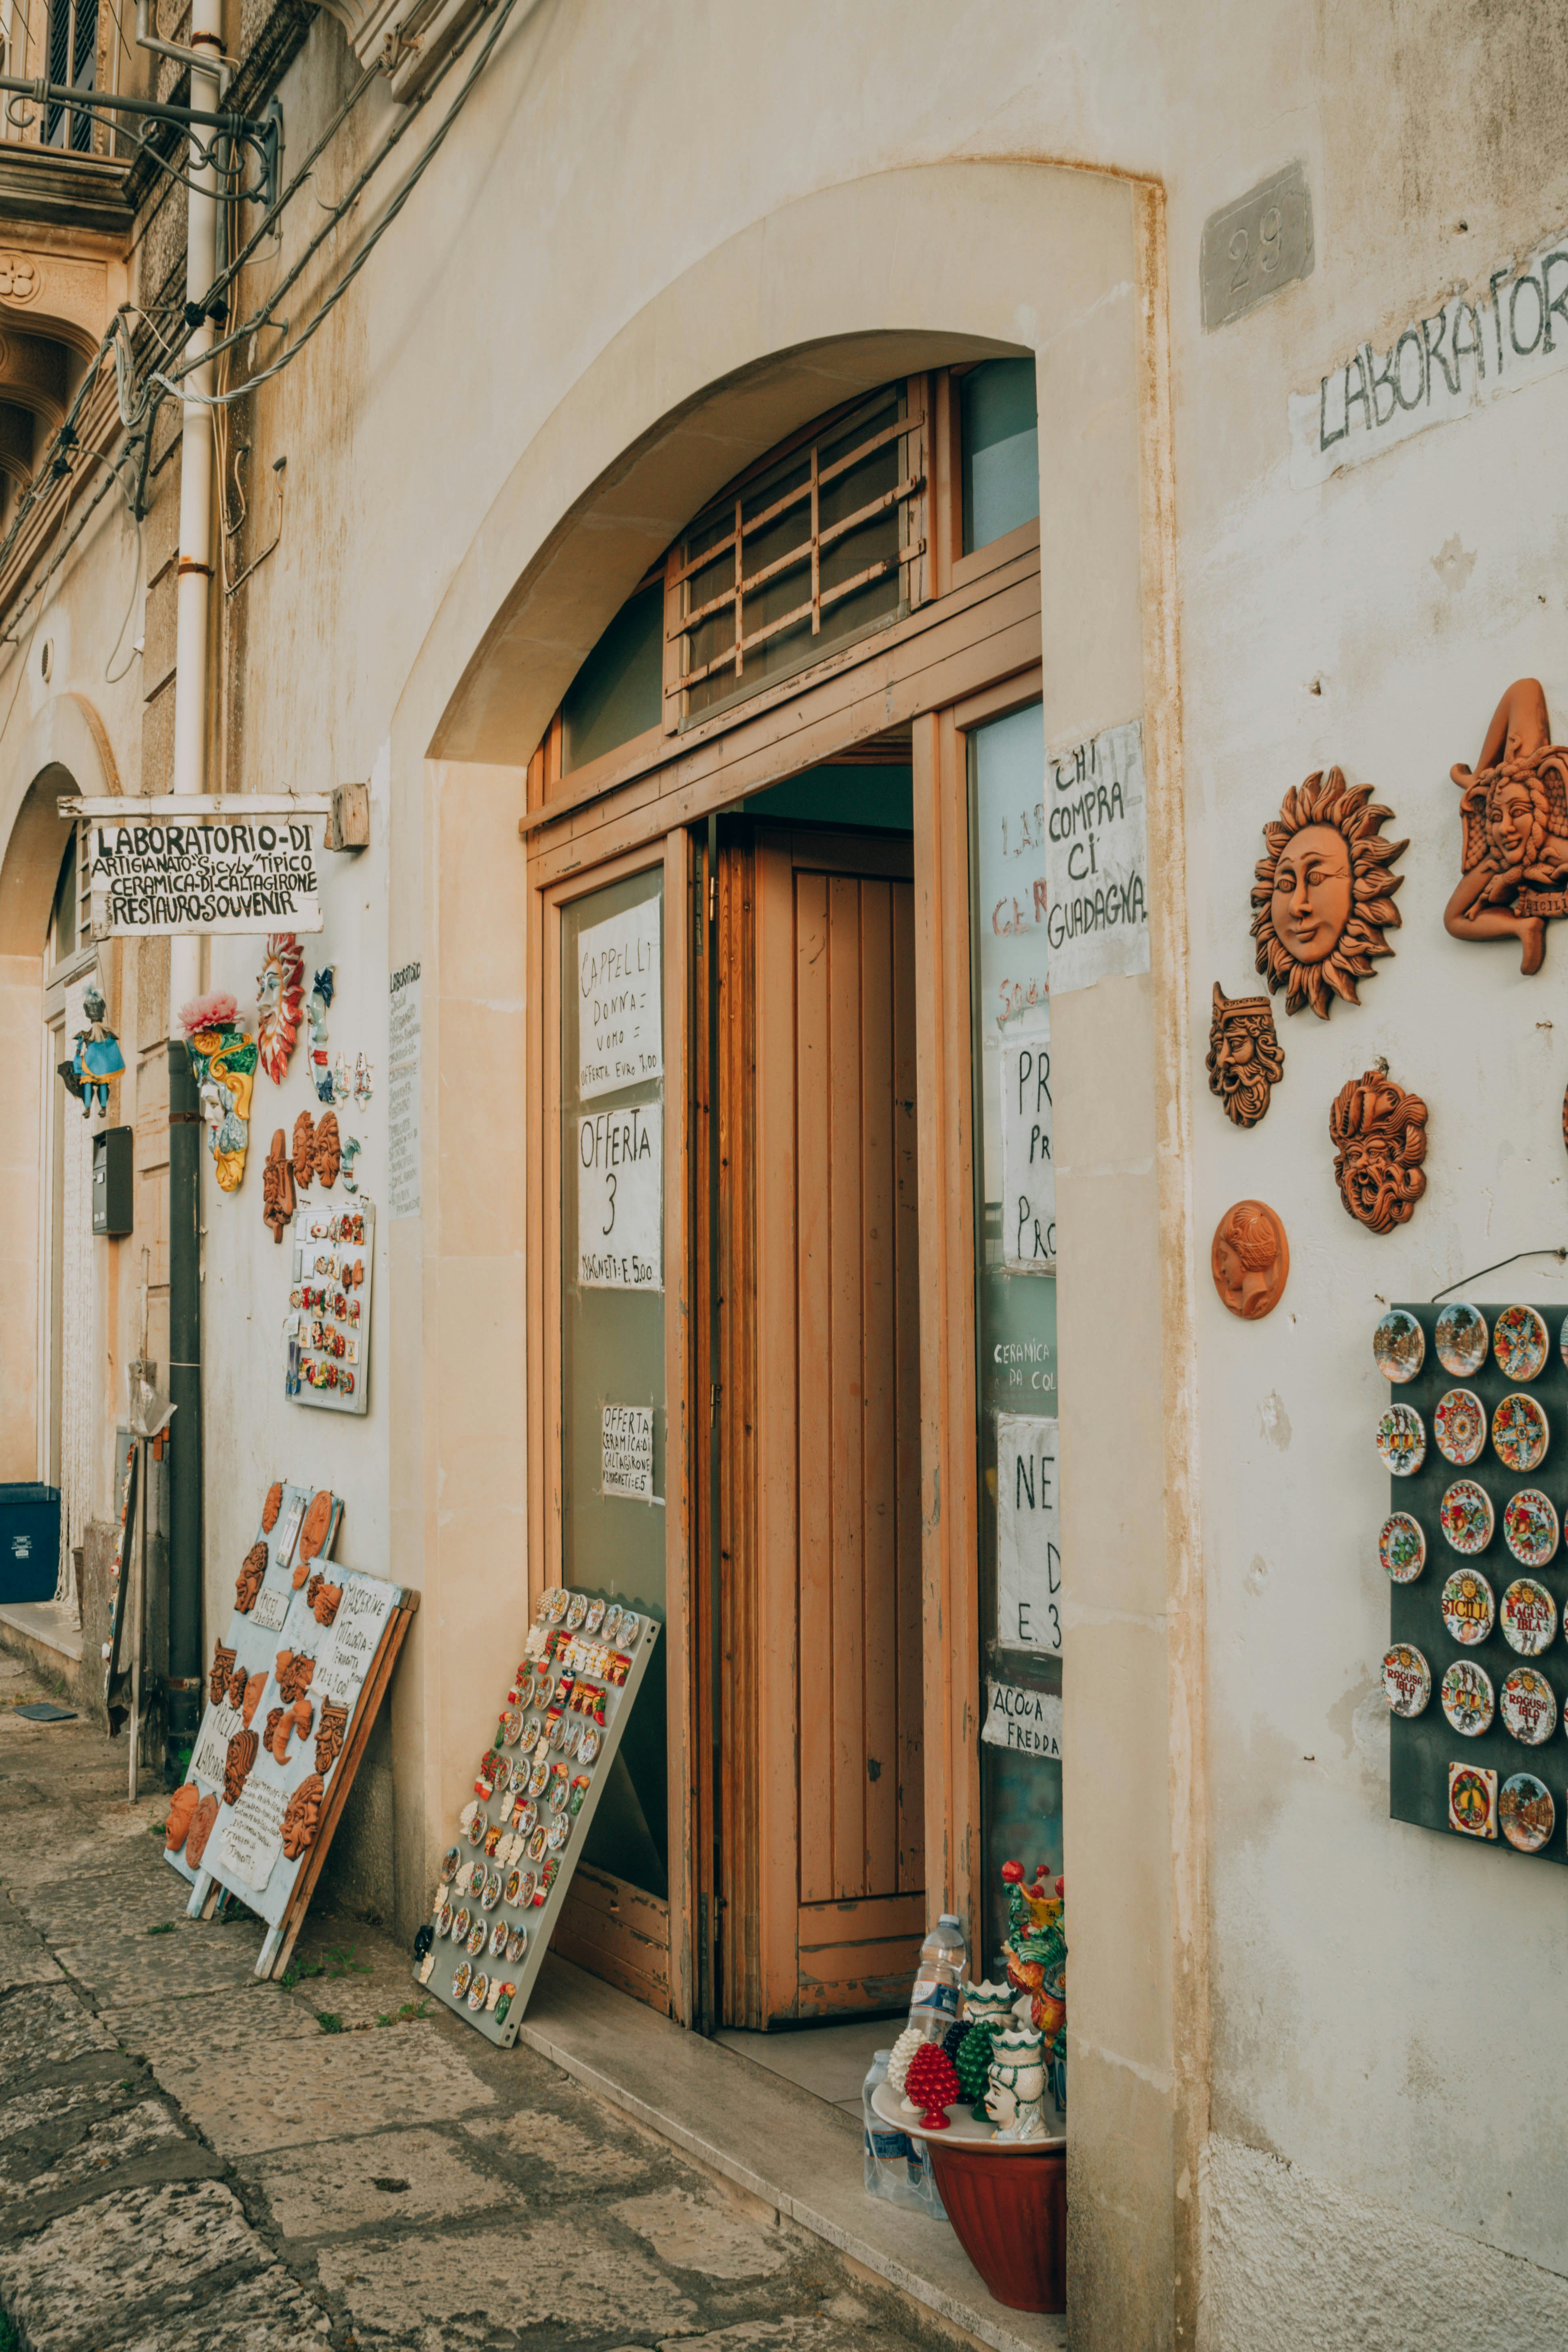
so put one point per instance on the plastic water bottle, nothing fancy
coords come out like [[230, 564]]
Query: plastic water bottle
[[889, 2152], [933, 2004]]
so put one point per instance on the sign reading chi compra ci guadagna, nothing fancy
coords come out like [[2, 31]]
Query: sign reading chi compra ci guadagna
[[233, 862]]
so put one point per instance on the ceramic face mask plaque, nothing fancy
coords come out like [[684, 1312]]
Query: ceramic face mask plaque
[[1519, 1343], [1530, 1527], [1513, 818], [1379, 1135], [1467, 1699], [1528, 1706], [1460, 1426], [1472, 1801], [1526, 1812], [1521, 1432], [1468, 1606], [1406, 1680], [1402, 1547], [1466, 1514], [1245, 1061], [1322, 899], [1399, 1345], [1401, 1439], [1461, 1339]]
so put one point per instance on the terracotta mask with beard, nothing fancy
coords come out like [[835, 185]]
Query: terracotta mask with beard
[[1244, 1060]]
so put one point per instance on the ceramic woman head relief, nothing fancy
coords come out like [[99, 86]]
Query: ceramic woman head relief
[[1461, 1339], [1250, 1260], [1460, 1426], [1399, 1345], [1401, 1439], [1402, 1547], [1324, 896], [1465, 1515], [1468, 1698], [1519, 1343]]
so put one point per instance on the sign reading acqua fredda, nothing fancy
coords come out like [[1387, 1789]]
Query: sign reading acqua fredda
[[177, 864], [620, 1152]]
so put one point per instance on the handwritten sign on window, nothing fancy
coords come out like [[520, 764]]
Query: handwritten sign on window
[[1028, 1534], [620, 1022], [1029, 1171], [626, 1455], [620, 1199], [1096, 858]]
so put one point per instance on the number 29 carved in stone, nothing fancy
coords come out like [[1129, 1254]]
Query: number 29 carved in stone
[[1514, 813]]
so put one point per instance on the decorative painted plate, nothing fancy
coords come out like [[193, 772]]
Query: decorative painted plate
[[576, 1610], [1468, 1606], [1468, 1698], [611, 1623], [1401, 1439], [1526, 1812], [491, 1895], [1460, 1426], [1520, 1432], [1472, 1801], [1467, 1516], [477, 1991], [477, 1935], [631, 1624], [462, 1922], [462, 1981], [1530, 1527], [1406, 1680], [1527, 1616], [517, 1943], [1529, 1705], [1399, 1345], [453, 1855], [1519, 1342], [497, 1940], [478, 1827], [1461, 1340], [1401, 1549]]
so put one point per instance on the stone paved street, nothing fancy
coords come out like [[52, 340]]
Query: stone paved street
[[191, 2160]]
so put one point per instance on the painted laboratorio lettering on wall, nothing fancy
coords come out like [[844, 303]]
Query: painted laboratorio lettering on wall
[[1096, 858], [1028, 1534], [620, 1026], [620, 1198], [1489, 335]]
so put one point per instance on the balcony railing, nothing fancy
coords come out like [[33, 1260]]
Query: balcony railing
[[72, 43]]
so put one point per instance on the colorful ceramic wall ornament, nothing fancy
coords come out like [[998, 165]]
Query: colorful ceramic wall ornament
[[1513, 819], [1399, 1345], [1520, 1432], [96, 1057], [1324, 896], [1406, 1680], [1468, 1698], [1469, 1607], [1402, 1547], [342, 1083], [351, 1150], [1526, 1812], [1244, 1062], [223, 1062], [1472, 1801], [1528, 1706], [321, 1000], [304, 1149], [1530, 1527], [1528, 1615], [362, 1079], [1250, 1260], [1462, 1340], [1519, 1343], [277, 1188], [1015, 2099], [280, 992], [1460, 1426], [328, 1151], [1401, 1439], [1379, 1135]]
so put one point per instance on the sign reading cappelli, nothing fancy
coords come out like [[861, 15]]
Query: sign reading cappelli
[[233, 862]]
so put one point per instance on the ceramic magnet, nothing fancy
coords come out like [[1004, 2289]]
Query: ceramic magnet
[[610, 1624], [450, 1860], [1460, 1426], [1468, 1697], [1530, 1527], [1401, 1438], [497, 1940], [1519, 1343], [462, 1920], [462, 1981], [1528, 1706], [1399, 1345], [1401, 1549], [478, 1825], [507, 1994], [476, 1939], [576, 1610], [481, 1986], [1406, 1680], [589, 1745], [425, 1966], [595, 1616], [1466, 1517], [1461, 1340], [1468, 1606], [1526, 1811], [1472, 1801], [1520, 1432], [1527, 1616], [516, 1945]]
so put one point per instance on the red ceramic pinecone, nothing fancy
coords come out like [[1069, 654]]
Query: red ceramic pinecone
[[931, 2085]]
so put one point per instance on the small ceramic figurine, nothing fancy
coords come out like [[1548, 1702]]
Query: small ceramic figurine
[[1019, 2084], [223, 1062], [1379, 1135], [1514, 820], [1324, 896], [320, 999], [277, 1188], [1037, 1957], [281, 991], [1246, 1060], [352, 1148], [97, 1059], [903, 2052]]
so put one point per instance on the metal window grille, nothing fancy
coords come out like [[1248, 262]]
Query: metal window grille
[[72, 58]]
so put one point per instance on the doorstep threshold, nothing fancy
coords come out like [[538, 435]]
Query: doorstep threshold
[[797, 2152], [44, 1621]]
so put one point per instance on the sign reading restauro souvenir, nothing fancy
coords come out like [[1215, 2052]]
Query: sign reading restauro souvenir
[[1028, 1534], [620, 1027], [1096, 858], [620, 1199], [201, 863]]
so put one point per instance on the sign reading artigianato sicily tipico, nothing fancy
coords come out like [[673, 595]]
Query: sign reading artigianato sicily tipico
[[235, 862]]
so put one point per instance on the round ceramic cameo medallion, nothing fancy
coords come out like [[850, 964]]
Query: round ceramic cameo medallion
[[1461, 1339], [1401, 1441], [1406, 1680], [1399, 1345], [1460, 1426], [1402, 1547], [1530, 1527], [1467, 1699], [1527, 1616], [1520, 1432], [1519, 1342], [1466, 1516], [1529, 1705], [1525, 1813], [1468, 1606]]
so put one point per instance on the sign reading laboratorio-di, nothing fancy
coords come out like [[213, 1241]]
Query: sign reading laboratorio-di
[[1096, 858], [155, 875], [620, 1026], [1489, 335]]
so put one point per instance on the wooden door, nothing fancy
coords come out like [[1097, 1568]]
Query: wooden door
[[823, 1850]]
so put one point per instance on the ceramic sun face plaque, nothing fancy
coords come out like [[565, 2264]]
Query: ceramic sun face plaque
[[1401, 1439], [1406, 1680], [1528, 1705], [1521, 1432], [1526, 1812], [1519, 1343], [1528, 1615], [1402, 1547], [1461, 1339], [1466, 1513], [1472, 1801], [1530, 1527], [1460, 1426], [1399, 1345], [1467, 1699], [1468, 1606]]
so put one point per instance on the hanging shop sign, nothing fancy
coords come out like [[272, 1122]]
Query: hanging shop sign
[[620, 1026], [1096, 858], [1028, 1534], [208, 863]]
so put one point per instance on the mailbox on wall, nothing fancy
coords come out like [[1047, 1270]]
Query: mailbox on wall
[[111, 1181]]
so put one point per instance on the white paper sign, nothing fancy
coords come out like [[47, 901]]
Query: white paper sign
[[626, 1458], [620, 1199], [271, 1607], [403, 1094], [1096, 858], [620, 1023], [1029, 1171], [252, 1831], [211, 1758], [343, 1660], [1028, 1534], [154, 879], [1026, 1719]]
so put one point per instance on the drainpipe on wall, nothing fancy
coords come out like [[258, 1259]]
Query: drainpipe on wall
[[192, 600]]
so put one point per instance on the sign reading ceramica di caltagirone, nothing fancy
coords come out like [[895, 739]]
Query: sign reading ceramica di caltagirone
[[158, 867], [1096, 858]]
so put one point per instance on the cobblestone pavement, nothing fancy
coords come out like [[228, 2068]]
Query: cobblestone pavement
[[192, 2160]]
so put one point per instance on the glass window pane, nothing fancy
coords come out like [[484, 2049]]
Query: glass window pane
[[612, 1319], [1001, 450], [619, 691]]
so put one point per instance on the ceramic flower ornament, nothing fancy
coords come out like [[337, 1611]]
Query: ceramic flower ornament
[[1324, 896], [281, 992], [223, 1062]]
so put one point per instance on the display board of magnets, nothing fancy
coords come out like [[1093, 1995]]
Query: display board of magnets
[[327, 1328], [1474, 1430], [504, 1876]]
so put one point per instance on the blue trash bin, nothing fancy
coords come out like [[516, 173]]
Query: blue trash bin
[[29, 1542]]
